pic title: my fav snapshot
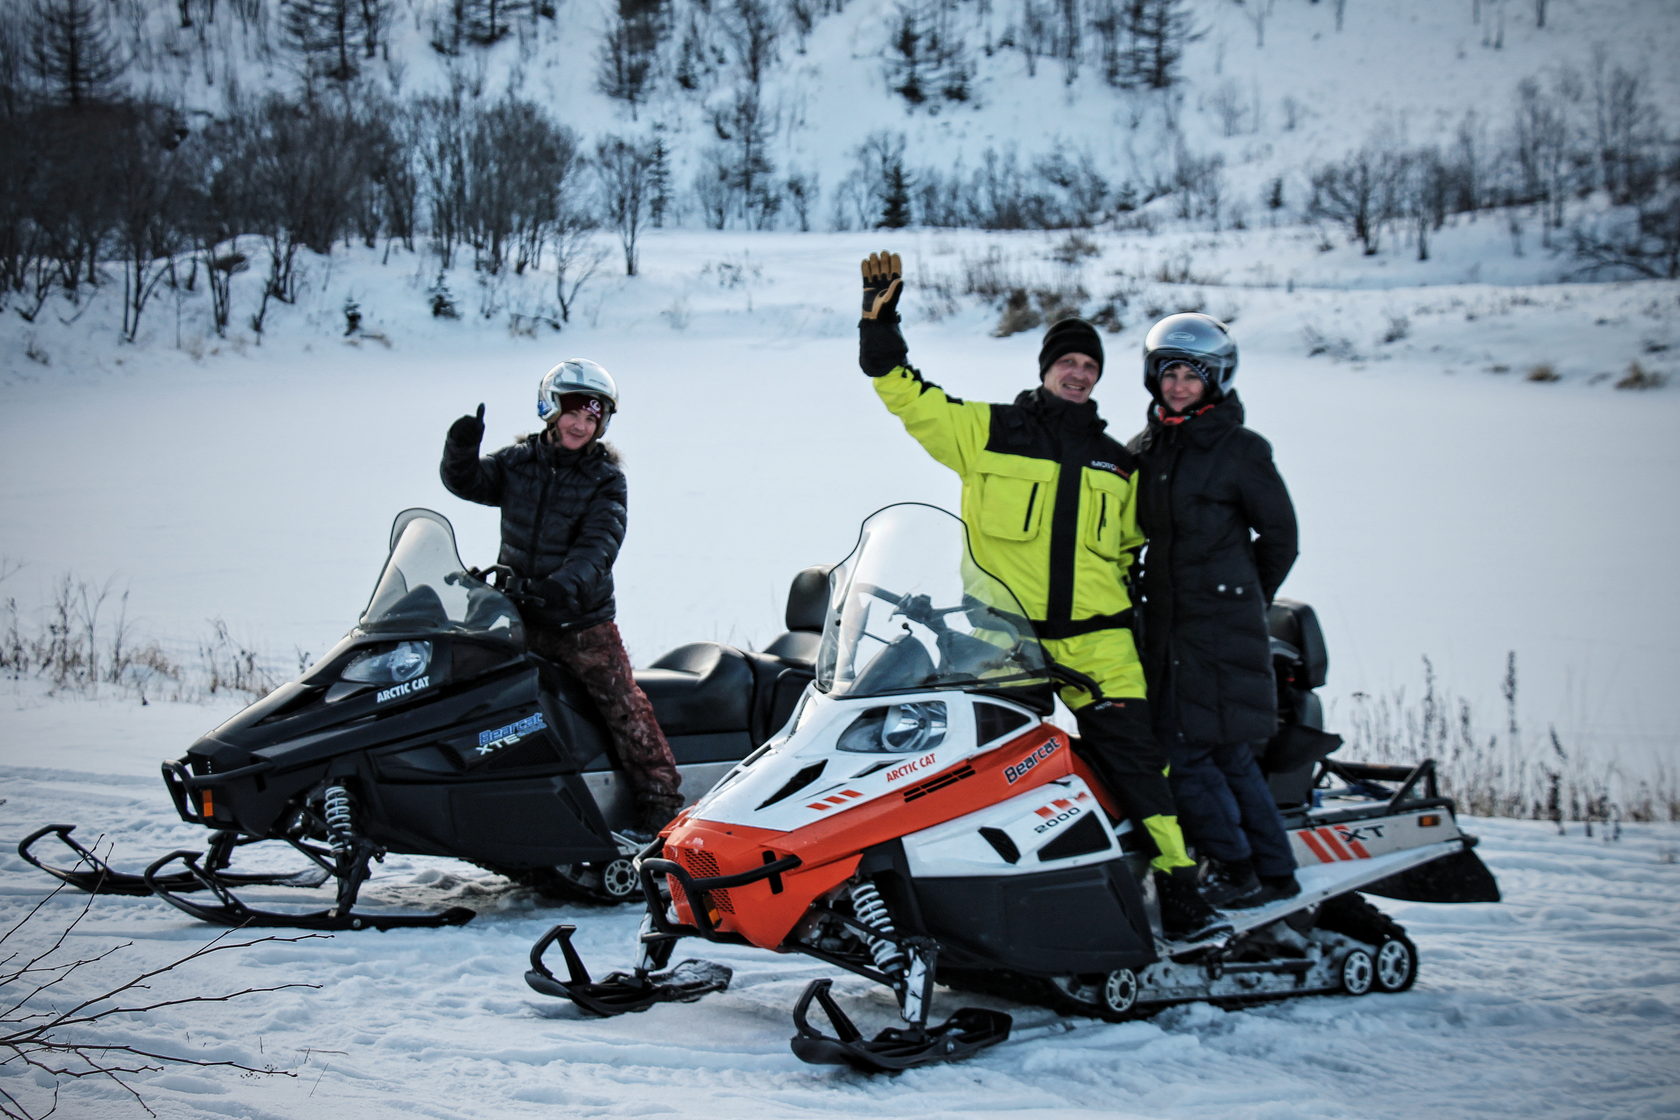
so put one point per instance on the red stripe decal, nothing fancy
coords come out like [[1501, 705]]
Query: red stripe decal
[[1311, 842], [1334, 843], [1357, 848]]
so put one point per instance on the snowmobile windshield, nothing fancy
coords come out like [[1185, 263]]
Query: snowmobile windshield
[[426, 589], [910, 611]]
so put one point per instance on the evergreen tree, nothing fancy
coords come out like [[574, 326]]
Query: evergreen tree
[[72, 55], [1158, 31], [630, 50]]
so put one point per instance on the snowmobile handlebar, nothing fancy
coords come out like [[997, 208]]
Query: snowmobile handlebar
[[1069, 675]]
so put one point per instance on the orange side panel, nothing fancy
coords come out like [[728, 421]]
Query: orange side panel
[[831, 846]]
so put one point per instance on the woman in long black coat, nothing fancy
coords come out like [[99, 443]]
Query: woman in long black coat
[[1222, 536]]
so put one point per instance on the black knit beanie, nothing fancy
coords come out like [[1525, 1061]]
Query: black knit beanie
[[1069, 336]]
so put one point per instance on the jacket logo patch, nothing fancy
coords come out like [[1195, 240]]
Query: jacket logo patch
[[1111, 468]]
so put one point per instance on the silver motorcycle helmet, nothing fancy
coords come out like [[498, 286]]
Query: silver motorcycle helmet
[[577, 377]]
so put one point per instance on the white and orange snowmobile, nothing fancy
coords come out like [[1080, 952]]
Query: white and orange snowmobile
[[920, 820]]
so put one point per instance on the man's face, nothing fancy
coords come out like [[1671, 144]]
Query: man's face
[[1072, 377]]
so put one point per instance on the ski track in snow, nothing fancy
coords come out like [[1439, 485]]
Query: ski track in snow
[[1562, 1001]]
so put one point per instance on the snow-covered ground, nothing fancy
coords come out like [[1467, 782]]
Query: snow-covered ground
[[1561, 1002]]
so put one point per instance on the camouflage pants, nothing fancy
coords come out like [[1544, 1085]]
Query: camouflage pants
[[596, 656]]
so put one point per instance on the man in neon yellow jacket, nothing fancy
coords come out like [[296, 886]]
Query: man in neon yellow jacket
[[1049, 499]]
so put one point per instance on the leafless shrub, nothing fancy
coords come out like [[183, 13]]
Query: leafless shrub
[[1502, 772], [1638, 377], [54, 1021], [232, 666], [1544, 372], [1335, 346]]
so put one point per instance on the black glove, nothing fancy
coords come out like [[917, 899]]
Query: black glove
[[554, 597], [468, 429], [880, 345]]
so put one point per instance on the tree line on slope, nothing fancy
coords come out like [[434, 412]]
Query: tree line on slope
[[101, 185]]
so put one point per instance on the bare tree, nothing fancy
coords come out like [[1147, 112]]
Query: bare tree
[[152, 186], [744, 128], [1540, 144], [1357, 192], [879, 162], [14, 64], [519, 166], [1624, 129], [625, 170], [1645, 243], [753, 28], [576, 256]]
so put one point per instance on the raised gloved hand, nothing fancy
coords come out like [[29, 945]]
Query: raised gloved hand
[[883, 280], [881, 347], [468, 429]]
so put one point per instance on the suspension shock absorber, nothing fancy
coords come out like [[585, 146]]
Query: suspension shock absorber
[[337, 810], [871, 910]]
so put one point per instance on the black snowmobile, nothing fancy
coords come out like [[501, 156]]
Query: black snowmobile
[[431, 730], [921, 820]]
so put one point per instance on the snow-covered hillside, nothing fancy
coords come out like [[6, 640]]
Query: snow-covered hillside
[[1267, 87]]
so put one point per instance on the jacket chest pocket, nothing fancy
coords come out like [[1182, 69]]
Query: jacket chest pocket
[[1015, 497], [1109, 517]]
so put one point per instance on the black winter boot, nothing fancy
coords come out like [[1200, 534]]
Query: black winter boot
[[1231, 885], [1274, 887], [1185, 916]]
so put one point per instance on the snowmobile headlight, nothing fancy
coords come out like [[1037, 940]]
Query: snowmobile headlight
[[402, 662], [896, 729]]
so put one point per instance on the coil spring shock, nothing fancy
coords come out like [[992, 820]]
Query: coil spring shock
[[338, 812], [871, 910]]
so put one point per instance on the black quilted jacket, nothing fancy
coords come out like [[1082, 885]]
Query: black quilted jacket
[[1222, 536], [563, 519]]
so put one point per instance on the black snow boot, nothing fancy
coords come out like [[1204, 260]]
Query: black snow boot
[[1274, 887], [1231, 885], [1185, 916]]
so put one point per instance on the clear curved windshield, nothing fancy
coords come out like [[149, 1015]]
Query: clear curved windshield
[[910, 610], [426, 588]]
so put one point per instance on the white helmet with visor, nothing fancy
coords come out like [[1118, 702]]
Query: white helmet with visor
[[578, 383]]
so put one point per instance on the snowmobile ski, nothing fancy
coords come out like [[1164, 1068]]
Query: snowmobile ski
[[620, 992], [95, 876], [894, 1048], [231, 911]]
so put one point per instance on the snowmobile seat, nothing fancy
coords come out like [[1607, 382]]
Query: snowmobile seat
[[1290, 759], [807, 608], [699, 688], [784, 667], [1295, 624]]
